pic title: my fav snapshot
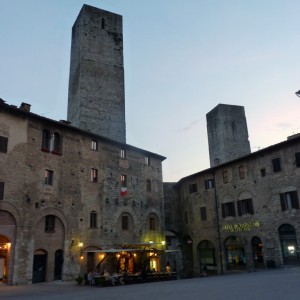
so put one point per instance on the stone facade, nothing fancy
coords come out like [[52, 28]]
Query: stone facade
[[74, 212], [227, 133], [244, 214], [96, 85]]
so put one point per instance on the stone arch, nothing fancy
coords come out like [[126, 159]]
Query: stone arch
[[235, 253]]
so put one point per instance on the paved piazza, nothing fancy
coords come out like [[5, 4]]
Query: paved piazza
[[277, 284]]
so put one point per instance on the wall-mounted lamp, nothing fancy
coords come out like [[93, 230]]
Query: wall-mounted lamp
[[80, 244], [163, 242]]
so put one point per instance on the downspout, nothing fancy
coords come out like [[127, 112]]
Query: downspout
[[218, 225]]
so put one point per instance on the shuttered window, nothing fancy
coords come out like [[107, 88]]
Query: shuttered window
[[289, 200], [228, 209], [244, 207]]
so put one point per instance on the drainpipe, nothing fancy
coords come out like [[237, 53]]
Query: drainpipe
[[218, 225]]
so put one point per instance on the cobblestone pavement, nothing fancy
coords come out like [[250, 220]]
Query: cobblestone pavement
[[277, 284]]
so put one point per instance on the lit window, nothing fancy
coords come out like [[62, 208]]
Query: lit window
[[94, 145], [94, 175], [48, 177], [49, 223]]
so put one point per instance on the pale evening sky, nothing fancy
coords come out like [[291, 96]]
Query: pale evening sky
[[181, 58]]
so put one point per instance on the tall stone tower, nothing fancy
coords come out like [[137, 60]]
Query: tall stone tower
[[96, 101], [227, 133]]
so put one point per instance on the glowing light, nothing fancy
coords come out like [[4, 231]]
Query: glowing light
[[80, 244], [81, 257], [163, 242], [291, 249]]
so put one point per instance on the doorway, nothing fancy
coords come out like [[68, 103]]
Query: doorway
[[39, 266], [58, 264]]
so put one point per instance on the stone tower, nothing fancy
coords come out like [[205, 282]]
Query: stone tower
[[96, 101], [227, 133]]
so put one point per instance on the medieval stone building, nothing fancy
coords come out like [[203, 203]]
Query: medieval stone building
[[72, 190], [242, 214]]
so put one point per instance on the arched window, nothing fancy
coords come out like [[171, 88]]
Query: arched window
[[206, 251], [46, 140], [153, 222], [126, 222]]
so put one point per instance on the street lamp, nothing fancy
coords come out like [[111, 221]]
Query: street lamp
[[298, 93]]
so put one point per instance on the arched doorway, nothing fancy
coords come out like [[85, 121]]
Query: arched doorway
[[288, 242], [4, 258], [257, 253], [58, 264], [206, 254], [235, 253], [39, 266]]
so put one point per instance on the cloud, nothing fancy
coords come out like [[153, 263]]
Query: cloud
[[189, 127]]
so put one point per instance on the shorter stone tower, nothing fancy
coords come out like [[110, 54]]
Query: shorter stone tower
[[227, 133]]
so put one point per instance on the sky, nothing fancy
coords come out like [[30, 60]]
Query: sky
[[181, 58]]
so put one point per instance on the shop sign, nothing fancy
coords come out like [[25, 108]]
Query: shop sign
[[241, 226]]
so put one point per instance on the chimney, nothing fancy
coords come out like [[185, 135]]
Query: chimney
[[25, 107]]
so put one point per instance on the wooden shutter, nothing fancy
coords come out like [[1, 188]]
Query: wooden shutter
[[251, 210], [282, 201], [295, 201], [1, 190], [239, 207], [3, 144], [223, 210]]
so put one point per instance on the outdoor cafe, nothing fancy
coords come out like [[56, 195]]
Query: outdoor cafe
[[128, 264]]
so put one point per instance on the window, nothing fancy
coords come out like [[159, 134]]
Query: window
[[123, 154], [56, 143], [225, 177], [228, 209], [51, 142], [103, 24], [1, 190], [148, 185], [263, 172], [276, 165], [209, 184], [125, 223], [93, 219], [147, 160], [152, 223], [203, 213], [289, 200], [245, 207], [49, 223], [123, 180], [94, 175], [242, 174], [94, 145], [3, 144], [186, 220], [193, 188], [46, 139], [297, 159], [48, 177]]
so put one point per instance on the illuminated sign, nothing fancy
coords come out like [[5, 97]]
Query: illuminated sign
[[241, 227]]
